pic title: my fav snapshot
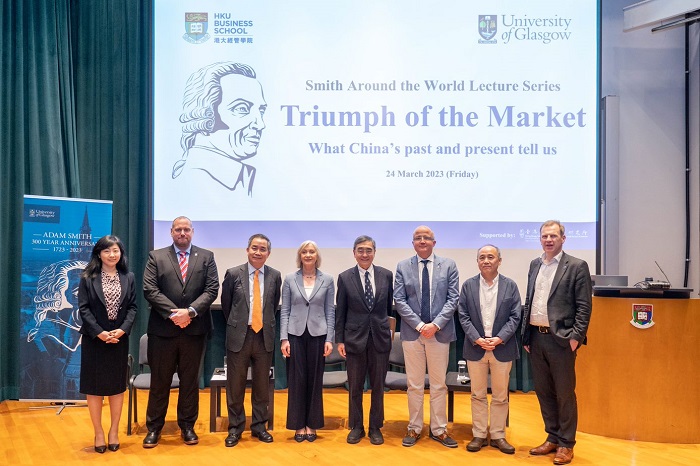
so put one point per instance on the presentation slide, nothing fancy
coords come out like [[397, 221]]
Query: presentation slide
[[325, 120]]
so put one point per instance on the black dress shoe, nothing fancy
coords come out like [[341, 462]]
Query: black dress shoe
[[189, 436], [263, 436], [375, 437], [232, 440], [151, 439], [100, 448], [113, 446], [311, 437], [355, 435], [299, 437]]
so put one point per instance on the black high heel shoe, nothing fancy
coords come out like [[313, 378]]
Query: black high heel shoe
[[99, 448], [113, 446]]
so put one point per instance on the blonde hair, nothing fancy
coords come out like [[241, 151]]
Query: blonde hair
[[303, 246]]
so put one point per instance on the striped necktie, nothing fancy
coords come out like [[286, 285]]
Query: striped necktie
[[183, 265]]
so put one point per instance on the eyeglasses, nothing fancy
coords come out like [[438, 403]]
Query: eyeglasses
[[423, 238], [363, 251]]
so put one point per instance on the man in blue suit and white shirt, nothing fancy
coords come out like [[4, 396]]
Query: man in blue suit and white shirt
[[489, 311], [426, 291]]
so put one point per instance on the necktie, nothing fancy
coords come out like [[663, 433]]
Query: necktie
[[425, 294], [183, 265], [369, 294], [256, 324]]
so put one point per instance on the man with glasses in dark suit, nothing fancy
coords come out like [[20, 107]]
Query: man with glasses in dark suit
[[363, 334]]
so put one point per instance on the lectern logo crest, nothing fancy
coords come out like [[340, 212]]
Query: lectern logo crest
[[642, 315]]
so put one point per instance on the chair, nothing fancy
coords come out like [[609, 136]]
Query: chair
[[396, 378], [335, 378], [142, 381]]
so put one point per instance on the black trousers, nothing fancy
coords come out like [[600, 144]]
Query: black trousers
[[554, 375], [253, 355], [305, 379], [359, 365], [167, 355]]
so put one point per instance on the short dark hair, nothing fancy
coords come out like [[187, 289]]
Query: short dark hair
[[362, 239], [498, 250], [260, 236]]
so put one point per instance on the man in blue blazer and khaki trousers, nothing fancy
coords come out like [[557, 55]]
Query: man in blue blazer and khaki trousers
[[426, 290], [489, 312]]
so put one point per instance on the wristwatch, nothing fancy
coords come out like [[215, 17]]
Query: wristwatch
[[192, 313]]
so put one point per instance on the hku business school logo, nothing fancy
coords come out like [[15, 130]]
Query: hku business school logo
[[488, 27], [196, 25]]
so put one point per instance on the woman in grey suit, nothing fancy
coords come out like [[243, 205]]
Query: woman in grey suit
[[107, 299], [307, 321]]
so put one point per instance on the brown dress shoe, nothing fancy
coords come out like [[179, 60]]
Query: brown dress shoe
[[545, 449], [476, 444], [503, 445], [564, 455]]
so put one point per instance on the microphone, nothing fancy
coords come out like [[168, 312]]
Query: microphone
[[660, 284]]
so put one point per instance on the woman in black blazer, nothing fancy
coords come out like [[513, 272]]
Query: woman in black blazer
[[107, 299]]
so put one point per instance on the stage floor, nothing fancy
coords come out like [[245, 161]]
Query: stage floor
[[40, 437]]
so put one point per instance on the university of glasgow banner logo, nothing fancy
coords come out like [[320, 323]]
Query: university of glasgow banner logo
[[488, 27], [642, 315], [196, 25]]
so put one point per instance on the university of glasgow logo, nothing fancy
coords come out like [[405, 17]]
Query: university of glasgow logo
[[488, 27], [196, 25], [641, 315]]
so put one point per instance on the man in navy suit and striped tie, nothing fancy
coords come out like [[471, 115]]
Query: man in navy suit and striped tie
[[363, 334]]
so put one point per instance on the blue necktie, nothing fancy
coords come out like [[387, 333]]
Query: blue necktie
[[369, 295], [425, 294]]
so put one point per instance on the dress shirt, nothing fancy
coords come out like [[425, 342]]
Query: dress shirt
[[543, 286], [487, 302], [187, 252]]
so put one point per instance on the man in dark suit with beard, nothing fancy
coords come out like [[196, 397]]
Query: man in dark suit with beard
[[557, 313], [250, 296], [364, 299], [180, 283]]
